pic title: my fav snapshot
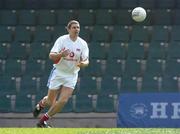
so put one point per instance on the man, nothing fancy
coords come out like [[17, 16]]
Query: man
[[69, 54]]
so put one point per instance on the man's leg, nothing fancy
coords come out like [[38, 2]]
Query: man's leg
[[65, 94], [46, 101]]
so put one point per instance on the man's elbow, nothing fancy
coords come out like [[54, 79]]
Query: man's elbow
[[51, 56]]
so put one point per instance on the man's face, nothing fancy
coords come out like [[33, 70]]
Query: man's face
[[74, 29]]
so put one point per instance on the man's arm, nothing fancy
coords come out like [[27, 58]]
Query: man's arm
[[84, 63], [56, 57]]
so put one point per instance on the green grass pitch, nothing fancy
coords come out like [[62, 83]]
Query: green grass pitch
[[89, 131]]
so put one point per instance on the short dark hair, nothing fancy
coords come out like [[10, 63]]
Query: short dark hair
[[70, 23]]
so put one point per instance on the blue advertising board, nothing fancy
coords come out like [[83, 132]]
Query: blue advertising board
[[149, 110]]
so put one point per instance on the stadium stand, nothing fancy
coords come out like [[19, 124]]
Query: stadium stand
[[85, 105], [5, 104], [105, 14], [150, 83], [68, 107], [27, 17], [145, 56], [3, 51], [6, 34], [24, 106], [105, 104], [86, 17], [157, 50], [8, 17]]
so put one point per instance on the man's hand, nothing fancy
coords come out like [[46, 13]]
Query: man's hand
[[83, 63], [56, 57], [65, 53]]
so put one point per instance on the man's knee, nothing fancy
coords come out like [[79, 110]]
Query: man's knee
[[47, 101], [64, 99]]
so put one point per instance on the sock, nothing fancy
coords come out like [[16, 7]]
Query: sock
[[45, 117]]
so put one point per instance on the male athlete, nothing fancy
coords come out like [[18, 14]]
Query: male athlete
[[69, 54]]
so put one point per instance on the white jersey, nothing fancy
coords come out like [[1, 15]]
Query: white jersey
[[78, 49]]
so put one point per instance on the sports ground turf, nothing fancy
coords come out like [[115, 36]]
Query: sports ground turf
[[89, 131]]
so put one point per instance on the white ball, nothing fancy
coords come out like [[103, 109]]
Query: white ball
[[139, 14]]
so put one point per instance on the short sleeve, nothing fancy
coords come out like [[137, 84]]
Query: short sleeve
[[85, 52], [57, 45]]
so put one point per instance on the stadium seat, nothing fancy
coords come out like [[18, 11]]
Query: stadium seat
[[2, 66], [18, 51], [68, 107], [155, 67], [175, 32], [162, 17], [58, 30], [84, 106], [109, 85], [120, 33], [115, 67], [69, 4], [42, 34], [150, 83], [166, 4], [34, 67], [105, 104], [123, 17], [172, 67], [1, 4], [176, 17], [46, 17], [66, 14], [89, 4], [8, 17], [88, 85], [8, 85], [48, 65], [49, 4], [34, 51], [95, 68], [85, 33], [43, 83], [117, 50], [23, 103], [136, 50], [104, 14], [5, 104], [173, 50], [4, 51], [13, 4], [86, 17], [147, 4], [13, 67], [97, 50], [100, 33], [133, 67], [108, 4], [5, 34], [29, 84], [32, 4], [128, 4], [177, 4], [160, 33], [129, 85], [157, 50], [170, 84], [27, 17], [22, 34], [140, 33]]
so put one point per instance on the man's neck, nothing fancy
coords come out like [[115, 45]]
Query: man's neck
[[73, 38]]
